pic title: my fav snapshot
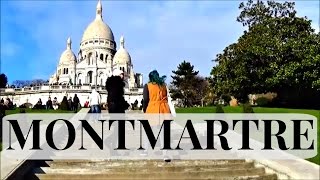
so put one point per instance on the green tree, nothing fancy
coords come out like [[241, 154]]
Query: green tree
[[185, 83], [3, 80], [202, 89], [279, 53]]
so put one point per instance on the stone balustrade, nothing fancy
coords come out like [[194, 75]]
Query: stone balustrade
[[32, 94], [59, 88]]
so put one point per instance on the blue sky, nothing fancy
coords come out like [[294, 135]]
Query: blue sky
[[159, 34]]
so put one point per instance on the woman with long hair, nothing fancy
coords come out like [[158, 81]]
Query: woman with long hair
[[155, 101], [155, 97]]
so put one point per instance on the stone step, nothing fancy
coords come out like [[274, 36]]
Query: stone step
[[148, 163], [97, 177], [138, 154], [194, 174], [177, 168]]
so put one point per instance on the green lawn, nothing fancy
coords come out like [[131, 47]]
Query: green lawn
[[229, 109]]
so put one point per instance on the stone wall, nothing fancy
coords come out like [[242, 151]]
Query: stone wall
[[32, 94]]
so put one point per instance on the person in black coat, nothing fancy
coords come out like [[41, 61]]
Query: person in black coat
[[115, 87], [115, 101], [49, 104], [76, 103]]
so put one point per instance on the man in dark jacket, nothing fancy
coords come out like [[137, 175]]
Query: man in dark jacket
[[115, 87], [115, 100], [76, 103], [49, 104]]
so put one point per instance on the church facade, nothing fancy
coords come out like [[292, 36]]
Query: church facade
[[97, 58], [88, 69]]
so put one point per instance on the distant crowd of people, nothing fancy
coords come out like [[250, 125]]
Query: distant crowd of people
[[156, 99], [155, 95], [6, 104], [65, 104], [155, 91]]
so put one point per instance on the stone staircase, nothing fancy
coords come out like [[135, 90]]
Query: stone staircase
[[151, 169], [158, 169]]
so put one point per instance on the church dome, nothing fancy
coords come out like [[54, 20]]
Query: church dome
[[67, 56], [97, 28], [122, 56]]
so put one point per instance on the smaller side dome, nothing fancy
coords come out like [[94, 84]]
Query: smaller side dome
[[122, 56], [68, 56]]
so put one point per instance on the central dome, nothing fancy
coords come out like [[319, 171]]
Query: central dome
[[97, 28]]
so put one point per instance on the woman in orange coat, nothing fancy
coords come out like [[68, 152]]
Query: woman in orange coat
[[155, 98], [155, 101]]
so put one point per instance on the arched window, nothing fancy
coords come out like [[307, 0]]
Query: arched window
[[66, 70], [106, 58], [89, 57], [90, 77], [101, 57], [79, 78]]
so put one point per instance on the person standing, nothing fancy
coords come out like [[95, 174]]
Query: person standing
[[155, 98], [55, 103], [76, 103], [49, 104], [155, 101], [115, 88], [94, 101], [115, 100], [70, 104], [86, 104]]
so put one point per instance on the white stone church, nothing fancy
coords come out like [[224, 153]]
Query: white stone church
[[97, 58], [89, 69]]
